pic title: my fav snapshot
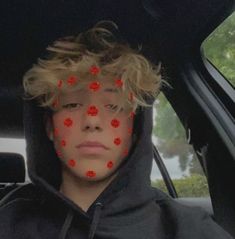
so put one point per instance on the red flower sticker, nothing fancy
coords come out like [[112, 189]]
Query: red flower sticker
[[117, 141], [63, 143], [59, 84], [110, 164], [92, 110], [125, 153], [68, 122], [90, 174], [132, 114], [58, 152], [94, 70], [119, 83], [71, 162], [130, 131], [55, 103], [72, 80], [115, 123], [94, 86]]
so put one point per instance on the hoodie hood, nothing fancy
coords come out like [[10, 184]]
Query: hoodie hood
[[130, 189], [127, 208]]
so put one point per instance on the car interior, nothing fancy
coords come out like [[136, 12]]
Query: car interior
[[170, 32], [12, 172]]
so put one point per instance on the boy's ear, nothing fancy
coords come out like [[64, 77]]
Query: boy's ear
[[49, 126]]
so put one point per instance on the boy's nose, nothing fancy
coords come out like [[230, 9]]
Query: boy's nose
[[92, 119], [92, 128]]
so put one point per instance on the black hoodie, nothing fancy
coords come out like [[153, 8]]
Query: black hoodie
[[128, 208]]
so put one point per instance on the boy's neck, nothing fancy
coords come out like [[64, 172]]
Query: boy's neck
[[81, 192]]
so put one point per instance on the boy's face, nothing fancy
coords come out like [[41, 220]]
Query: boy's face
[[85, 115]]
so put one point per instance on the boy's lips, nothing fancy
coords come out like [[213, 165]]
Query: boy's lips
[[91, 148], [92, 144]]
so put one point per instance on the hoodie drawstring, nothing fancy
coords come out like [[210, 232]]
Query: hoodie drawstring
[[95, 220], [66, 225]]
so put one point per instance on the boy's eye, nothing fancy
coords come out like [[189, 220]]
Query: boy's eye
[[71, 105], [114, 107], [75, 105]]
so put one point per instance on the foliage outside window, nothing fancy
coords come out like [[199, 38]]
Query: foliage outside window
[[172, 145], [219, 48]]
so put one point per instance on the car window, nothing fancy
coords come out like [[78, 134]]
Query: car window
[[219, 48], [12, 145], [178, 156]]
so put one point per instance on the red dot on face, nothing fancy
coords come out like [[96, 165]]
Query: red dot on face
[[130, 131], [132, 114], [55, 103], [115, 123], [110, 164], [90, 174], [94, 86], [72, 80], [59, 84], [117, 141], [125, 153], [63, 142], [92, 110], [58, 152], [94, 70], [118, 83], [71, 162], [68, 122]]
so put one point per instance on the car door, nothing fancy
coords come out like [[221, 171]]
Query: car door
[[201, 96]]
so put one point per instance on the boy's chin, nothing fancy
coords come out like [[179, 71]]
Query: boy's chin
[[96, 177]]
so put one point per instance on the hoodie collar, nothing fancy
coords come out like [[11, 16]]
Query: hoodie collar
[[69, 218]]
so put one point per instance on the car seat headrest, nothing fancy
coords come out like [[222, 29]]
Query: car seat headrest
[[12, 168]]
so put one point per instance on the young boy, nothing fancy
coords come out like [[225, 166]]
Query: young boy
[[88, 125]]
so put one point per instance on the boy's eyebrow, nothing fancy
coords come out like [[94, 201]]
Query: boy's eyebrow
[[111, 90]]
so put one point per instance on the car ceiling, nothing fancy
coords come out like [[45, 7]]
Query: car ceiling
[[165, 28]]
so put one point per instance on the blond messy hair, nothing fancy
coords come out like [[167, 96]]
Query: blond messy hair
[[74, 55]]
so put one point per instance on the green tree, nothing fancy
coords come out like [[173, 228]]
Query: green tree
[[171, 137], [193, 186], [219, 48]]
